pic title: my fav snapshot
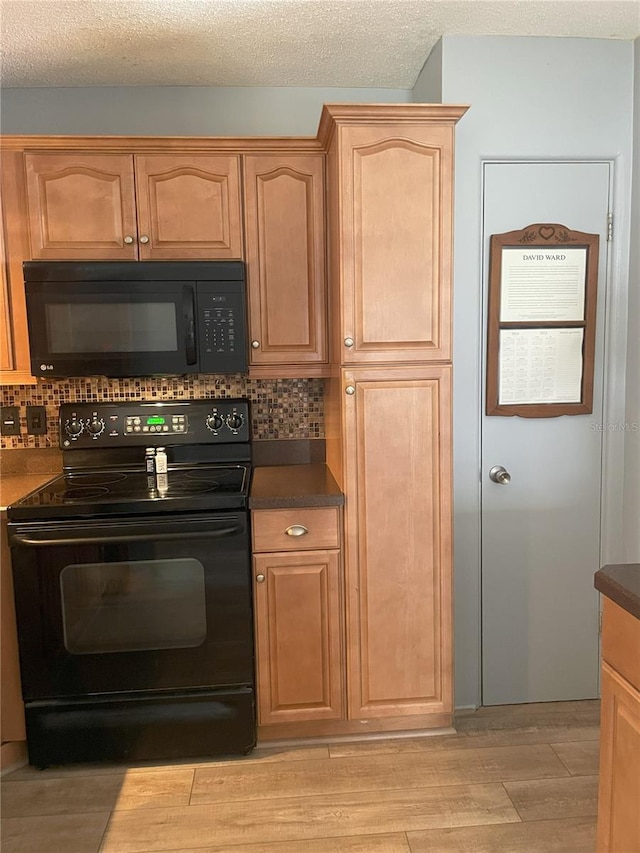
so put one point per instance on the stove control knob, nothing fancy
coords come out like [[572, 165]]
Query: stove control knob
[[235, 421], [214, 422], [73, 427], [95, 426]]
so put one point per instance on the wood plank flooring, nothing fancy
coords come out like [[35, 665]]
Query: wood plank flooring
[[519, 779]]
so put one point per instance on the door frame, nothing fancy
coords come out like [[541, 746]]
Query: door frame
[[613, 368]]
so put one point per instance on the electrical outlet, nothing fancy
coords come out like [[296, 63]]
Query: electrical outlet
[[10, 420], [36, 420]]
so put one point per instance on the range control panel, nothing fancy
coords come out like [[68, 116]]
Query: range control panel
[[85, 425]]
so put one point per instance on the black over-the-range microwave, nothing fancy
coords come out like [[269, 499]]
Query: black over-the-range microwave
[[139, 318]]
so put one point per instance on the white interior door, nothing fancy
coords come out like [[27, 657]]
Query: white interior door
[[541, 532]]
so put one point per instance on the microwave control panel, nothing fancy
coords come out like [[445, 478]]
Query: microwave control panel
[[86, 425], [222, 328]]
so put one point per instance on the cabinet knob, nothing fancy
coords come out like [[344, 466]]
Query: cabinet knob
[[255, 344], [350, 390], [144, 239], [348, 342], [128, 239], [296, 530], [260, 578]]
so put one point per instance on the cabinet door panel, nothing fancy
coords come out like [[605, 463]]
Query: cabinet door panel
[[619, 794], [395, 185], [15, 361], [6, 338], [81, 206], [285, 255], [189, 206], [298, 636], [398, 541]]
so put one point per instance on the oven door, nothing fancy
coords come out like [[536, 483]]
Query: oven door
[[133, 605]]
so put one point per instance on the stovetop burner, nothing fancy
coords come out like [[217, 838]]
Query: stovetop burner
[[80, 494], [96, 479]]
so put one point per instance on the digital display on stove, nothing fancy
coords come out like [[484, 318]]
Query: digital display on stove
[[156, 419]]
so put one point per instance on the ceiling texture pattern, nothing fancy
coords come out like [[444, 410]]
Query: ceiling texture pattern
[[352, 43]]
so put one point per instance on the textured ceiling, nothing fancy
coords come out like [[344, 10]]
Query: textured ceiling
[[378, 43]]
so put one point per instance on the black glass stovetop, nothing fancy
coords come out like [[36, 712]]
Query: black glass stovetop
[[134, 492]]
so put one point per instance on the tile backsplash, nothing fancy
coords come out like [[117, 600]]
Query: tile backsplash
[[281, 408]]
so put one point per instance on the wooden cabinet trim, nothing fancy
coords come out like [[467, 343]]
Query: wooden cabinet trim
[[160, 144], [336, 115]]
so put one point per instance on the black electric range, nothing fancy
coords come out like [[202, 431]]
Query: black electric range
[[132, 580]]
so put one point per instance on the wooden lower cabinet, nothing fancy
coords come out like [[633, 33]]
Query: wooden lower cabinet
[[12, 726], [389, 448], [298, 636], [619, 794]]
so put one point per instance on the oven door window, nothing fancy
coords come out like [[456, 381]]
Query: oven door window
[[133, 606]]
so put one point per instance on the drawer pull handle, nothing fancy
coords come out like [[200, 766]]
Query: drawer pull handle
[[296, 530]]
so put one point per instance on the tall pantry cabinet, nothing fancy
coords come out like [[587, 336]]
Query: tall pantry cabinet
[[388, 408]]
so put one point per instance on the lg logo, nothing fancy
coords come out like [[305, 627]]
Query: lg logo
[[46, 367]]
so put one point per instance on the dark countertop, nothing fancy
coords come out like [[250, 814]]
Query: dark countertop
[[13, 487], [286, 486], [621, 583]]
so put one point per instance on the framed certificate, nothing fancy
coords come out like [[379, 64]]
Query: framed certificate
[[541, 322]]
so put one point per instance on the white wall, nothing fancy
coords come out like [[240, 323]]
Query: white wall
[[632, 436], [530, 98], [428, 86], [178, 110]]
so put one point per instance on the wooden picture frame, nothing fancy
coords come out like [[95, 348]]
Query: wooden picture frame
[[543, 282]]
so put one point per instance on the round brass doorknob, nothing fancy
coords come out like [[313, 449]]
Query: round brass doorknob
[[260, 578], [350, 390], [144, 239], [128, 239], [348, 342]]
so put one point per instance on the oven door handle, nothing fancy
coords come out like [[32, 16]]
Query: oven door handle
[[34, 541]]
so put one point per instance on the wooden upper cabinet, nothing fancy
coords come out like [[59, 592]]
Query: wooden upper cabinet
[[81, 206], [134, 207], [390, 225], [188, 206], [284, 227], [15, 362], [6, 332]]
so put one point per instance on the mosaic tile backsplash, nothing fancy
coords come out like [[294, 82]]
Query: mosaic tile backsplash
[[281, 408]]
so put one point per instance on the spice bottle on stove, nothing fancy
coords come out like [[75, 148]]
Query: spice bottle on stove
[[162, 482], [161, 460], [150, 460]]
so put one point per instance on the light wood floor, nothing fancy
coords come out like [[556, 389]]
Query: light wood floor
[[517, 779]]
